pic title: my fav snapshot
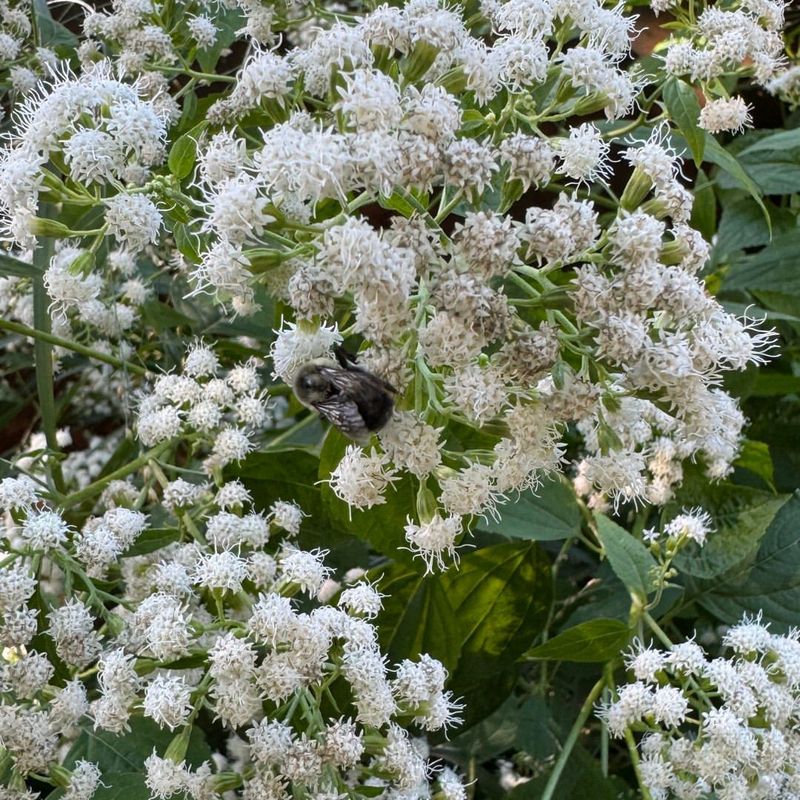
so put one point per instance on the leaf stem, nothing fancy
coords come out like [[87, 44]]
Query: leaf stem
[[52, 339], [572, 738], [95, 488]]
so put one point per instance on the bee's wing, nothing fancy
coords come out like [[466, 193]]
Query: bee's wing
[[354, 380], [345, 415]]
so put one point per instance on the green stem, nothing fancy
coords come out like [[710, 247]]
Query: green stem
[[290, 431], [634, 754], [43, 351], [95, 488], [572, 738], [50, 338]]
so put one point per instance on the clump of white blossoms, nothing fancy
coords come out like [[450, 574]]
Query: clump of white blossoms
[[719, 727], [222, 589], [728, 39], [423, 187], [484, 310], [221, 410]]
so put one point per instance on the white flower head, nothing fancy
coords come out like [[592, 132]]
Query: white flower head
[[295, 345]]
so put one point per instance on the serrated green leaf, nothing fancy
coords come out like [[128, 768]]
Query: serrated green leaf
[[773, 268], [768, 583], [550, 513], [501, 596], [740, 516], [417, 616], [684, 109], [629, 558], [595, 640]]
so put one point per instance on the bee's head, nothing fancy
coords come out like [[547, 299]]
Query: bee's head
[[310, 385]]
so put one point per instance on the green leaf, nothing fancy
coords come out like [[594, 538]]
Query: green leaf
[[782, 140], [395, 202], [629, 558], [152, 540], [773, 268], [704, 209], [183, 153], [741, 516], [515, 725], [743, 224], [717, 154], [755, 457], [775, 384], [161, 316], [417, 617], [52, 33], [768, 583], [551, 513], [186, 242], [16, 268], [227, 22], [595, 640], [684, 109], [582, 778], [121, 758], [290, 474], [501, 596]]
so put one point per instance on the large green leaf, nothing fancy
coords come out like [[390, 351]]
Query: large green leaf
[[515, 725], [595, 640], [501, 596], [741, 516], [417, 616], [782, 140], [629, 558], [552, 512], [774, 268], [743, 224], [768, 583], [291, 474], [52, 33], [717, 154], [684, 109], [121, 758]]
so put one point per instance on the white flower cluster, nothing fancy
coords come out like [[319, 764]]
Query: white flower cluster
[[729, 38], [720, 727], [103, 132], [264, 667], [222, 409]]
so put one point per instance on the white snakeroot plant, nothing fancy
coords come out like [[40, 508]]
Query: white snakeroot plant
[[263, 666], [713, 727]]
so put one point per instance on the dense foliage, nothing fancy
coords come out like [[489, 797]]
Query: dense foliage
[[560, 236]]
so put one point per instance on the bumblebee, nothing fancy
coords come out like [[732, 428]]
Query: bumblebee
[[357, 402]]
